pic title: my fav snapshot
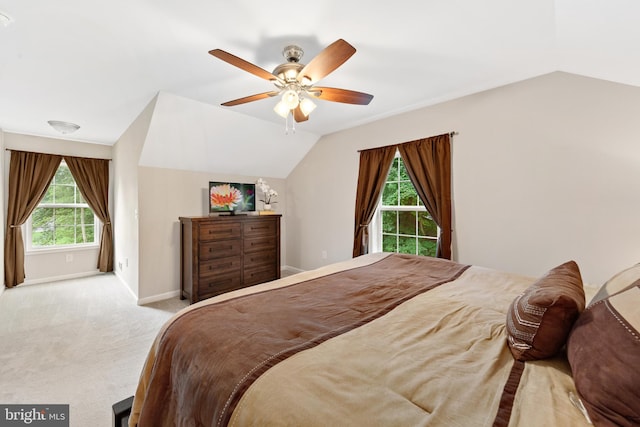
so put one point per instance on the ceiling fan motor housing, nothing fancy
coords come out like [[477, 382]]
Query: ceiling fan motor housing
[[292, 53]]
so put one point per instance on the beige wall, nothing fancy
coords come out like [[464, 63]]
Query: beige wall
[[126, 155], [164, 196], [544, 170], [54, 265]]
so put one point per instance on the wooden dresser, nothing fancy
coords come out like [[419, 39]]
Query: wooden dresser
[[223, 253]]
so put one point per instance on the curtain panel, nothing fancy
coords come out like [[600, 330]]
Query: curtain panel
[[29, 177], [374, 167], [428, 164], [92, 178]]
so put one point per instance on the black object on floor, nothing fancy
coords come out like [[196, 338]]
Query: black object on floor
[[121, 411]]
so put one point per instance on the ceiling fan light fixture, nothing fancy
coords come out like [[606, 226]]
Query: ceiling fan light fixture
[[307, 106], [290, 98], [282, 110]]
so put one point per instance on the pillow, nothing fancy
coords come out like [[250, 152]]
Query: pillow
[[540, 319], [604, 354], [617, 283]]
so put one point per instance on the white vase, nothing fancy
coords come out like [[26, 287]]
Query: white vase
[[267, 206]]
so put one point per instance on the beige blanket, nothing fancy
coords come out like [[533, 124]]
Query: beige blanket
[[438, 359]]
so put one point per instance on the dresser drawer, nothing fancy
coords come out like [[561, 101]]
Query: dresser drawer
[[220, 230], [256, 259], [220, 266], [260, 228], [222, 248], [253, 276], [255, 244], [218, 284]]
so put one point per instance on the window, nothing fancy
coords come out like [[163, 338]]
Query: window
[[402, 224], [63, 218]]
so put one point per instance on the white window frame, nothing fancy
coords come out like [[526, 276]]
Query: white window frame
[[375, 227], [27, 229]]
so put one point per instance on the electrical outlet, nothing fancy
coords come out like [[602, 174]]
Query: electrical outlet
[[324, 254], [69, 257], [120, 265]]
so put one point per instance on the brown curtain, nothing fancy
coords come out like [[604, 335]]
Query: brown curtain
[[374, 167], [92, 177], [428, 163], [29, 177]]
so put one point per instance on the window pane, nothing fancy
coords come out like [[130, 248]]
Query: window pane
[[65, 194], [48, 196], [407, 223], [84, 234], [426, 225], [406, 245], [408, 195], [393, 171], [65, 216], [42, 237], [79, 199], [88, 216], [390, 194], [63, 175], [42, 217], [389, 243], [427, 247], [389, 221], [65, 235], [404, 176]]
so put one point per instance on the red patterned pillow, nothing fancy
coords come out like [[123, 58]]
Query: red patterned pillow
[[540, 319]]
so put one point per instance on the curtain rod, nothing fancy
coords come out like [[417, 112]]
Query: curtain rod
[[61, 155], [452, 133]]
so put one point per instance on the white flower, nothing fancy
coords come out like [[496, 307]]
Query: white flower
[[268, 192]]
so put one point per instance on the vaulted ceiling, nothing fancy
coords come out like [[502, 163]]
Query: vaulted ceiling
[[98, 64]]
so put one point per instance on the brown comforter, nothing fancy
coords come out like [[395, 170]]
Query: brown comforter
[[399, 340]]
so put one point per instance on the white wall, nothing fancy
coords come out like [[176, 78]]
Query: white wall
[[544, 170], [126, 155], [164, 196], [54, 265]]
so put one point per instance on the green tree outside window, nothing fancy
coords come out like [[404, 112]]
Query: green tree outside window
[[63, 217], [406, 225]]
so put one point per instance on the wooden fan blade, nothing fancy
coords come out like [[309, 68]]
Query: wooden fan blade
[[341, 95], [250, 98], [299, 116], [242, 64], [326, 61]]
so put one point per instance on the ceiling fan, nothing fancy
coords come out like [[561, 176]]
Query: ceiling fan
[[295, 81]]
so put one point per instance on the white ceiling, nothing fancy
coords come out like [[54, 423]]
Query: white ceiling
[[98, 64]]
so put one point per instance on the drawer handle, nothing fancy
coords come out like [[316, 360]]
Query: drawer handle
[[212, 268], [228, 248]]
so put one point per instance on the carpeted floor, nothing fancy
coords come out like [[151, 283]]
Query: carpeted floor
[[80, 342]]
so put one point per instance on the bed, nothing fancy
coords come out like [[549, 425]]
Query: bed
[[400, 340]]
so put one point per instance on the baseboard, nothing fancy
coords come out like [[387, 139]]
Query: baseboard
[[159, 297], [63, 277], [286, 270], [290, 270]]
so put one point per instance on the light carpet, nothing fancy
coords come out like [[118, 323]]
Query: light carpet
[[80, 342]]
